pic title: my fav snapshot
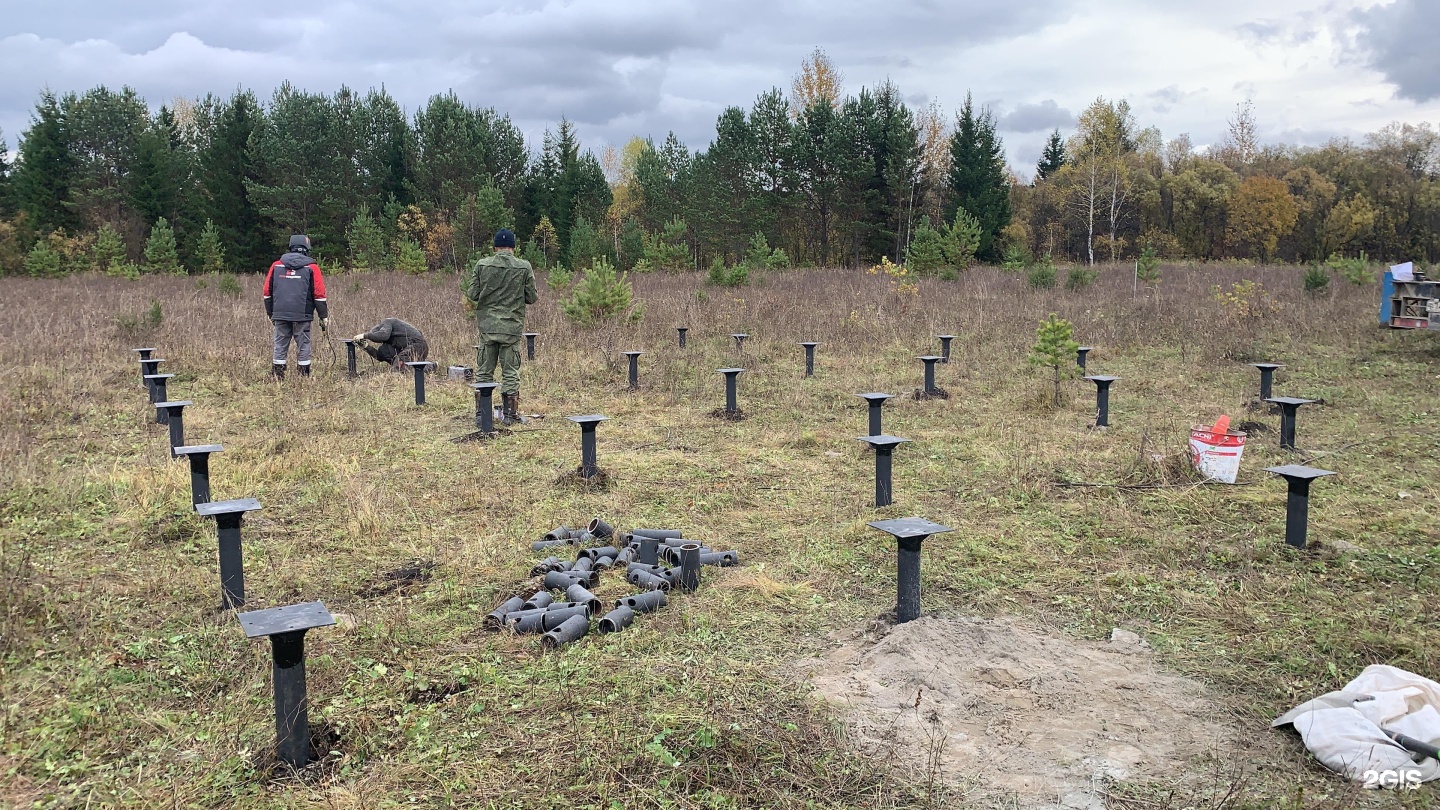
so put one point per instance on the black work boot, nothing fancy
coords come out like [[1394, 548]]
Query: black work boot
[[510, 409], [305, 370], [277, 371]]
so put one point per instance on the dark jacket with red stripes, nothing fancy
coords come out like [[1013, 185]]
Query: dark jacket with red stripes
[[295, 290]]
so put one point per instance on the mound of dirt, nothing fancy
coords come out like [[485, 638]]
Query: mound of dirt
[[1016, 718]]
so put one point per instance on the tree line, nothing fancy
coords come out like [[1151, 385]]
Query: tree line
[[813, 176]]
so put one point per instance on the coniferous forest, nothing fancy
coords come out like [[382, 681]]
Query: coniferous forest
[[100, 181]]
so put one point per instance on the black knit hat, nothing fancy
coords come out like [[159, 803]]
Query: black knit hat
[[504, 238]]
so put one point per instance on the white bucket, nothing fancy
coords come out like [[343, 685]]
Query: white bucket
[[1216, 455]]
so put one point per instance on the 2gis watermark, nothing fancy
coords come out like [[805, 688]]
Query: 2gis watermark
[[1393, 779]]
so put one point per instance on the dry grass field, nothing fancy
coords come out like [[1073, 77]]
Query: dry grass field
[[122, 684]]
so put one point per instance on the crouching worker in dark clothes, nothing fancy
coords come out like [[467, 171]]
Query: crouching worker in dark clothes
[[396, 342]]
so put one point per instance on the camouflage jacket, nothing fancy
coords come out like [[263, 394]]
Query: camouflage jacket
[[500, 287]]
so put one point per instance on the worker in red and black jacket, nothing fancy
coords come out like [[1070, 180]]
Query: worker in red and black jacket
[[294, 295]]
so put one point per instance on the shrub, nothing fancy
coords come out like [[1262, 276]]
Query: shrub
[[1356, 270], [1316, 279], [962, 239], [670, 249], [925, 255], [229, 285], [410, 257], [586, 244], [1147, 266], [722, 276], [559, 278], [1017, 258], [602, 295], [759, 255], [1079, 277], [160, 253], [366, 241], [154, 316], [128, 270], [42, 261], [210, 250], [533, 254], [1041, 274], [108, 250]]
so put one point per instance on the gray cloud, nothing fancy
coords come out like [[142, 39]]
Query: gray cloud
[[615, 68], [1399, 41], [1042, 117]]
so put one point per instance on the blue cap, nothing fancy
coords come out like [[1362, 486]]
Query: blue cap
[[504, 238]]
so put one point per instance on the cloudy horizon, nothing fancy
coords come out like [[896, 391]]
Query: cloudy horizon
[[1313, 71]]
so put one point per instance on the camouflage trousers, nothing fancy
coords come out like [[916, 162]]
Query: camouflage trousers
[[502, 349]]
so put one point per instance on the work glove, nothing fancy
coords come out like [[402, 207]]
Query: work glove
[[324, 324], [360, 338]]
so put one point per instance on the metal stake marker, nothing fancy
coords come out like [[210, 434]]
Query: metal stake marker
[[144, 355], [199, 456], [634, 369], [286, 628], [149, 367], [157, 383], [681, 330], [419, 366], [930, 360], [740, 341], [945, 347], [809, 357], [173, 414], [875, 400], [350, 369], [530, 344], [884, 446], [1102, 398], [485, 406], [909, 534], [228, 517], [1297, 502], [730, 375], [1288, 407], [1267, 377], [588, 466], [689, 567], [1080, 353]]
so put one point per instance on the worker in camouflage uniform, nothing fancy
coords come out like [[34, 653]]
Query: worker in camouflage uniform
[[500, 287], [396, 343]]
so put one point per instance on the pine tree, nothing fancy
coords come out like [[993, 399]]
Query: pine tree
[[209, 250], [223, 163], [1055, 349], [108, 250], [962, 239], [366, 240], [1052, 159], [979, 181], [586, 245], [602, 295], [42, 261], [160, 253]]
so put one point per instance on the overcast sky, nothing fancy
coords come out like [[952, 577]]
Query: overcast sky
[[618, 68]]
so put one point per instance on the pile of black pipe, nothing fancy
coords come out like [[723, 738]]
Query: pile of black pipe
[[655, 561]]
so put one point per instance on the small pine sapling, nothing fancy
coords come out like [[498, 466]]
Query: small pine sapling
[[1055, 349], [1147, 267]]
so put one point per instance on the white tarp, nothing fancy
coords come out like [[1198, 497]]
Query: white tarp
[[1345, 730], [1403, 272]]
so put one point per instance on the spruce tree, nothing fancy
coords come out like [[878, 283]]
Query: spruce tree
[[1052, 159], [46, 169], [979, 181], [160, 253], [926, 254]]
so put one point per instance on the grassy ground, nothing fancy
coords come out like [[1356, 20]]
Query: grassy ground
[[123, 685]]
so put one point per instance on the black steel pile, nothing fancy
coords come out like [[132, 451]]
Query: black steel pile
[[654, 560]]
